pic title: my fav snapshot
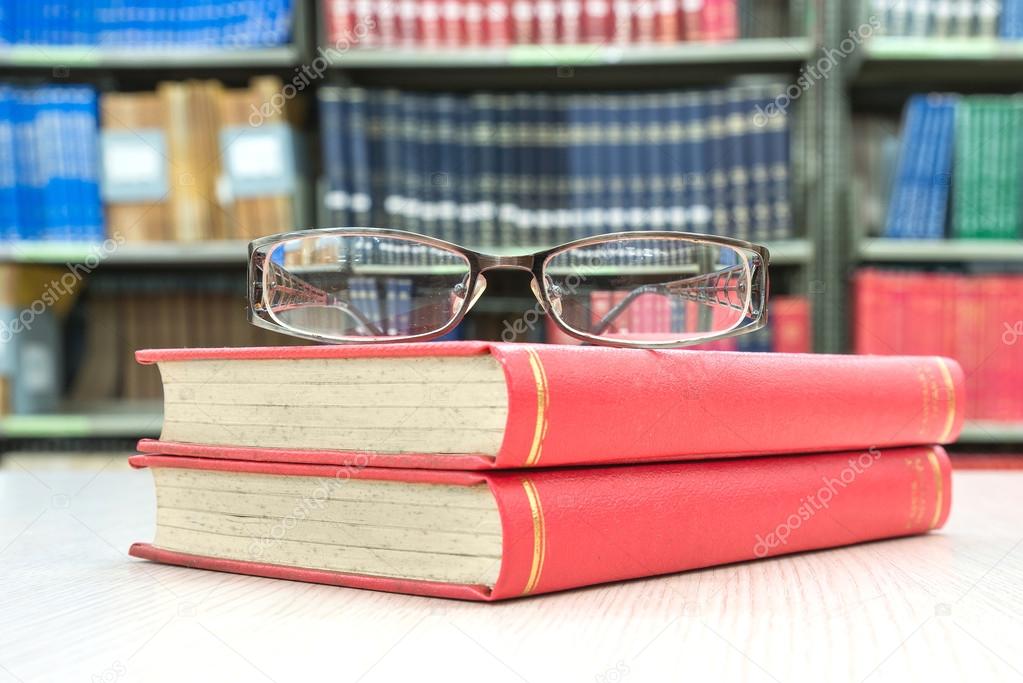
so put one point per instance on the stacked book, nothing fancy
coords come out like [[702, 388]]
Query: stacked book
[[534, 168], [958, 171], [146, 25], [982, 329], [492, 23], [195, 160], [487, 471], [49, 185]]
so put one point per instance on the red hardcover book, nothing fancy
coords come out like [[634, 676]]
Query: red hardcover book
[[479, 405], [498, 22], [645, 21], [340, 20], [452, 23], [497, 535], [669, 22], [570, 22], [710, 19], [428, 23], [546, 22], [596, 21], [692, 20], [728, 20], [408, 23], [968, 323], [387, 24], [790, 322], [523, 21], [366, 22], [474, 19]]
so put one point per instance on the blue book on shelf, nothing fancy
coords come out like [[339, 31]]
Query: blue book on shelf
[[8, 167], [1011, 23]]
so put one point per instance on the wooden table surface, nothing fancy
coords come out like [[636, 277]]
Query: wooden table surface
[[74, 606]]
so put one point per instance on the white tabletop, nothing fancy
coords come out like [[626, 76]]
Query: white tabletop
[[74, 606]]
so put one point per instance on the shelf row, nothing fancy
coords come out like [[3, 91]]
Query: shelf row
[[790, 252], [878, 61], [145, 421]]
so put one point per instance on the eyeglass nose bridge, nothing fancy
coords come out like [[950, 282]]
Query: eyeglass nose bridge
[[516, 262]]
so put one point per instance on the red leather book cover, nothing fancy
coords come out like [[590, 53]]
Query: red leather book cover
[[564, 528], [340, 16], [668, 21], [728, 20], [644, 17], [546, 22], [573, 405], [523, 22], [790, 321], [597, 20], [474, 22], [497, 22], [710, 19], [452, 23], [692, 20]]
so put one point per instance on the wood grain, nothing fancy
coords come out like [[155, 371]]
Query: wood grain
[[73, 606]]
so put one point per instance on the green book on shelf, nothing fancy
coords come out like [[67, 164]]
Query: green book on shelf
[[987, 201]]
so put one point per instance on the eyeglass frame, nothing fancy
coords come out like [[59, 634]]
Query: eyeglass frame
[[479, 263]]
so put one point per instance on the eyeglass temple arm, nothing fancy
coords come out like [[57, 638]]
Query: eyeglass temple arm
[[293, 290], [695, 288]]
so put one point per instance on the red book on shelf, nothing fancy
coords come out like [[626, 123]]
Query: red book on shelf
[[668, 21], [498, 22], [340, 20], [546, 21], [387, 23], [496, 535], [481, 404], [523, 21], [710, 18], [645, 21], [1012, 340], [728, 20], [474, 20], [452, 23], [968, 324], [596, 21], [428, 23], [692, 20], [790, 323], [570, 14]]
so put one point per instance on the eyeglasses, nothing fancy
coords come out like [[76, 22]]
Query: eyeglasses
[[643, 289]]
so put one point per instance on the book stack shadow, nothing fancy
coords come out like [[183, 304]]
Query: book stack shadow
[[486, 471]]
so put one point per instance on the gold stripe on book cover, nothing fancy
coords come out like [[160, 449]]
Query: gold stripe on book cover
[[950, 390], [542, 399], [539, 537], [939, 484]]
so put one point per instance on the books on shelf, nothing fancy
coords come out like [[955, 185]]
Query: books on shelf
[[439, 469], [122, 313], [524, 169], [957, 171], [154, 25], [496, 23], [31, 372], [49, 186], [943, 18], [989, 161], [976, 319], [197, 161], [787, 330]]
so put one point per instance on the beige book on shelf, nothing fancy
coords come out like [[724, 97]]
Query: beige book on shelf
[[97, 380], [143, 220]]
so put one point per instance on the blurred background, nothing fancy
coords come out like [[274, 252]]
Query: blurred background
[[874, 146]]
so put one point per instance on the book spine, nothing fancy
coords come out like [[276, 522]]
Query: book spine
[[557, 538], [922, 399]]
